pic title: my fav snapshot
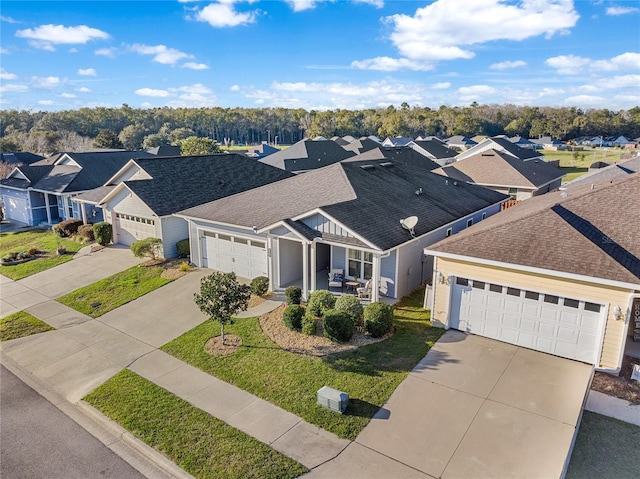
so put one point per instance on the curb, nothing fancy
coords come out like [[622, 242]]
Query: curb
[[616, 408], [139, 455]]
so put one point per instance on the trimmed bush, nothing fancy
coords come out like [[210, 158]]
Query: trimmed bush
[[350, 305], [148, 247], [378, 318], [69, 227], [308, 324], [86, 232], [337, 326], [293, 295], [260, 285], [320, 301], [183, 248], [33, 251], [58, 231], [103, 233], [292, 316]]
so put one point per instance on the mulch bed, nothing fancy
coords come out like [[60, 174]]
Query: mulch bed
[[621, 386], [231, 344]]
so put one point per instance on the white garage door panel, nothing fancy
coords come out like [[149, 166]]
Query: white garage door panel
[[246, 258], [16, 209], [560, 326], [131, 228]]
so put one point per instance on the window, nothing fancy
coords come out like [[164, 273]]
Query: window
[[496, 288], [592, 307], [462, 281], [571, 303], [532, 295], [513, 291], [513, 192], [360, 263], [469, 222], [448, 232], [549, 298], [478, 284]]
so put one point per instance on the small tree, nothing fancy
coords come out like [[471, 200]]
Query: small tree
[[195, 145], [221, 296]]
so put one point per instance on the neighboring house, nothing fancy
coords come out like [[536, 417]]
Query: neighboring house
[[397, 141], [503, 173], [41, 193], [609, 173], [20, 157], [436, 150], [139, 200], [307, 155], [523, 142], [504, 145], [558, 274], [261, 151], [362, 145], [550, 143], [620, 141], [460, 142], [340, 141], [344, 216]]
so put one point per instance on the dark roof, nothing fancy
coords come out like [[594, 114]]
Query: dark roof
[[308, 155], [609, 173], [436, 148], [96, 195], [369, 197], [164, 150], [340, 141], [460, 140], [398, 140], [513, 149], [34, 174], [404, 155], [183, 182], [361, 145], [22, 157], [496, 168], [584, 231]]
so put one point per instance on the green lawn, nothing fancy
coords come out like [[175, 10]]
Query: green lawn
[[576, 164], [605, 448], [369, 375], [110, 293], [21, 324], [44, 240], [199, 443]]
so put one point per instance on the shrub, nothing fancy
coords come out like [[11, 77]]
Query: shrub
[[33, 251], [58, 231], [103, 233], [183, 248], [308, 324], [148, 247], [350, 305], [69, 227], [292, 316], [86, 231], [184, 266], [337, 326], [320, 301], [259, 285], [293, 295], [378, 318]]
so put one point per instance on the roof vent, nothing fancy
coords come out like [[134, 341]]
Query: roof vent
[[386, 164], [419, 191], [367, 167]]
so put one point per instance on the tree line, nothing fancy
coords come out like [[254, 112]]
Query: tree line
[[134, 128]]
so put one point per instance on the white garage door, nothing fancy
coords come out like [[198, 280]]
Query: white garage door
[[15, 209], [131, 228], [246, 258], [565, 327]]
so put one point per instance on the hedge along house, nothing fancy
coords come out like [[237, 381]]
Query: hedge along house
[[140, 199], [41, 193], [558, 273], [343, 216]]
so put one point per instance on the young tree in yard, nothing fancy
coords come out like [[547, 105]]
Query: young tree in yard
[[221, 296], [194, 145]]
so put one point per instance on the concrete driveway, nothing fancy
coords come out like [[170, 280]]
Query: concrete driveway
[[472, 408]]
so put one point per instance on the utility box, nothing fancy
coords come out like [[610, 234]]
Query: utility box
[[333, 399]]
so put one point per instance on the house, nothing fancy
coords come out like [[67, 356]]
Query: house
[[504, 145], [460, 142], [362, 145], [523, 142], [609, 173], [397, 141], [340, 141], [435, 150], [20, 158], [558, 273], [502, 172], [307, 155], [140, 199], [40, 193], [348, 215], [550, 143], [262, 151]]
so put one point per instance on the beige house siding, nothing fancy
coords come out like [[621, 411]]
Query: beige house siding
[[615, 330]]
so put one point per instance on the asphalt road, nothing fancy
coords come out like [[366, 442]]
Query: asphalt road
[[38, 441]]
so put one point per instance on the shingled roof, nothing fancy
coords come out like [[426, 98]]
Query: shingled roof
[[368, 197], [496, 168], [585, 231], [307, 155], [436, 148], [614, 172]]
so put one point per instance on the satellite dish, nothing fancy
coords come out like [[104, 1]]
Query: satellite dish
[[409, 224]]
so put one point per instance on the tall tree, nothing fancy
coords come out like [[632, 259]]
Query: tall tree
[[198, 146], [107, 139]]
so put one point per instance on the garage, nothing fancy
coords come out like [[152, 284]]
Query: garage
[[566, 327], [247, 258], [15, 209], [129, 228]]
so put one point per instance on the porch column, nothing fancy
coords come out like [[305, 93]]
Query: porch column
[[305, 271], [46, 202], [313, 266], [375, 273], [83, 210]]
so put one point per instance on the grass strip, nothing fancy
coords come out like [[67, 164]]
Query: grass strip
[[196, 441], [369, 375], [21, 324], [110, 293]]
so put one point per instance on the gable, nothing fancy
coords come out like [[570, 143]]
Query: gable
[[131, 171], [17, 174], [125, 201], [67, 161]]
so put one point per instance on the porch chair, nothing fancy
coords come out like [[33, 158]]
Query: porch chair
[[365, 291], [336, 278]]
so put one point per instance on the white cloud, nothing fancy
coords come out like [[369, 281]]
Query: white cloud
[[5, 75], [8, 19], [73, 50], [508, 65], [47, 82], [223, 14], [152, 93], [475, 92], [46, 36], [46, 102], [441, 86], [613, 83], [106, 52], [161, 53], [13, 87], [616, 11], [4, 51], [68, 95], [197, 88], [585, 100], [235, 88], [568, 64], [388, 64], [625, 61], [375, 3], [84, 89], [87, 72], [300, 5], [195, 66]]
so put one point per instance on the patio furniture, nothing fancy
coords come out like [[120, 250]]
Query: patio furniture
[[365, 291], [336, 278], [352, 285]]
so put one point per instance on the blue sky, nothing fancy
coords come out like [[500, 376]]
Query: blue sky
[[315, 54]]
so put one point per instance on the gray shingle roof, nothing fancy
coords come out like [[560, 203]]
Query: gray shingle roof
[[307, 155], [591, 232], [515, 150], [609, 173], [361, 145], [436, 148]]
